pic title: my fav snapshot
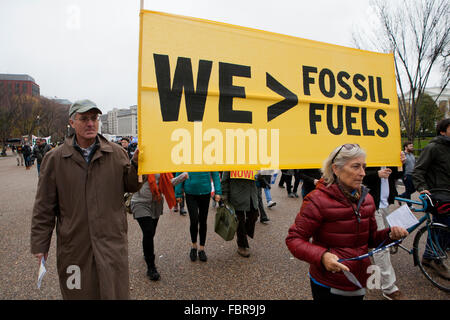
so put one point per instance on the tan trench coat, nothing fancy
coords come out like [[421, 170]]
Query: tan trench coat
[[86, 203]]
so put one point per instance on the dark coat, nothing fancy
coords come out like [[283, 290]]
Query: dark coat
[[308, 176], [239, 192], [373, 182], [40, 151], [432, 169], [327, 217], [85, 201]]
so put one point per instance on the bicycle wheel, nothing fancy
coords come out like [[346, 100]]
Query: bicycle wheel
[[431, 250]]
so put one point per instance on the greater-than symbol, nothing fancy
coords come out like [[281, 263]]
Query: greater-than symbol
[[290, 99]]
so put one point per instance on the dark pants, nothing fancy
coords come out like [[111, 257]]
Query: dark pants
[[296, 182], [409, 187], [148, 227], [262, 212], [246, 226], [324, 294], [198, 206], [283, 178]]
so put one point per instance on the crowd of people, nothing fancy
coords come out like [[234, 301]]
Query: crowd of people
[[342, 214], [26, 154]]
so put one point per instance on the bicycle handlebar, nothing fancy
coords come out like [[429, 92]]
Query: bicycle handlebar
[[423, 197]]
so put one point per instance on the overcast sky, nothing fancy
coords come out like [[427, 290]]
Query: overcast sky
[[77, 49]]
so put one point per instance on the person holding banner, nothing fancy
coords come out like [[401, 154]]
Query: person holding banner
[[339, 217], [239, 189], [147, 206], [197, 189], [381, 184], [80, 191]]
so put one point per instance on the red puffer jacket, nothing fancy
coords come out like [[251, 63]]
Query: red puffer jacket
[[327, 216]]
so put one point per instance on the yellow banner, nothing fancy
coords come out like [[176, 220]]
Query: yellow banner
[[215, 97]]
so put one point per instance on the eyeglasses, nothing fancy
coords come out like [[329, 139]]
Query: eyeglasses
[[86, 119], [348, 146]]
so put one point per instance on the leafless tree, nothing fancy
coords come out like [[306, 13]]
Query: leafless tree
[[417, 32]]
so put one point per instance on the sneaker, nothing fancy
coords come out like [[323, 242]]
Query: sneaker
[[193, 254], [295, 194], [281, 186], [437, 266], [175, 209], [265, 220], [153, 274], [202, 256], [291, 195], [183, 212], [244, 252], [271, 204], [396, 295]]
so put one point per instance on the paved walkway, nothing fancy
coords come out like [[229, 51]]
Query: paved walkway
[[270, 273]]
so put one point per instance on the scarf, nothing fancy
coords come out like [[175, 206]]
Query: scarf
[[352, 196], [165, 187]]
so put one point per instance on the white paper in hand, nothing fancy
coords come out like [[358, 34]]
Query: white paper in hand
[[42, 272], [351, 277], [402, 217]]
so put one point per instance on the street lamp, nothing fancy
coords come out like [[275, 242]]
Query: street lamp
[[38, 117]]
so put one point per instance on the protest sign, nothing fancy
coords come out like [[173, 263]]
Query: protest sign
[[214, 97]]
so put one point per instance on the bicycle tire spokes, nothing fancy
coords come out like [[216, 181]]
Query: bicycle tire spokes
[[431, 245], [438, 244]]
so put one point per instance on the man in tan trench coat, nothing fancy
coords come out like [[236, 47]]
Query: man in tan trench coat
[[81, 189]]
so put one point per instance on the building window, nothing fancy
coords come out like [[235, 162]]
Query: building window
[[17, 88]]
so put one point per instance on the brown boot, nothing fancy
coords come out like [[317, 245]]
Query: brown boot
[[437, 265], [244, 252]]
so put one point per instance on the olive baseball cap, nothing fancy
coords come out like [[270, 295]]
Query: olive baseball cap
[[82, 106]]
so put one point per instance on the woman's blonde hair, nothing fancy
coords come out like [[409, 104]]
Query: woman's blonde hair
[[339, 156]]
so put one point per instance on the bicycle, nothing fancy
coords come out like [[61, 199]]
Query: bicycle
[[431, 243]]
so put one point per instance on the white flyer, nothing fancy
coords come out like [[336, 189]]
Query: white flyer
[[402, 217], [42, 271]]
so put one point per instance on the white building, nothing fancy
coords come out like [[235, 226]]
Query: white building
[[127, 122], [120, 122]]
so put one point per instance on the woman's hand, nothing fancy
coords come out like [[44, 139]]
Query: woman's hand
[[398, 233], [217, 197], [330, 262], [179, 200]]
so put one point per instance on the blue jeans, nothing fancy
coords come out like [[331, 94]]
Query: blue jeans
[[268, 195]]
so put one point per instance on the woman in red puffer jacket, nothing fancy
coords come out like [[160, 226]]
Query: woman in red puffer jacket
[[339, 217]]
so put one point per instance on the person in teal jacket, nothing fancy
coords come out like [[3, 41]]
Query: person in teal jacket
[[197, 189]]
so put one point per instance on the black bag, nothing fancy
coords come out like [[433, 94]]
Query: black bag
[[225, 224], [440, 203]]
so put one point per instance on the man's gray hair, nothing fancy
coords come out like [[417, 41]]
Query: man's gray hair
[[341, 159]]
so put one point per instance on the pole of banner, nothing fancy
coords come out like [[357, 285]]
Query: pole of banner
[[140, 178]]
